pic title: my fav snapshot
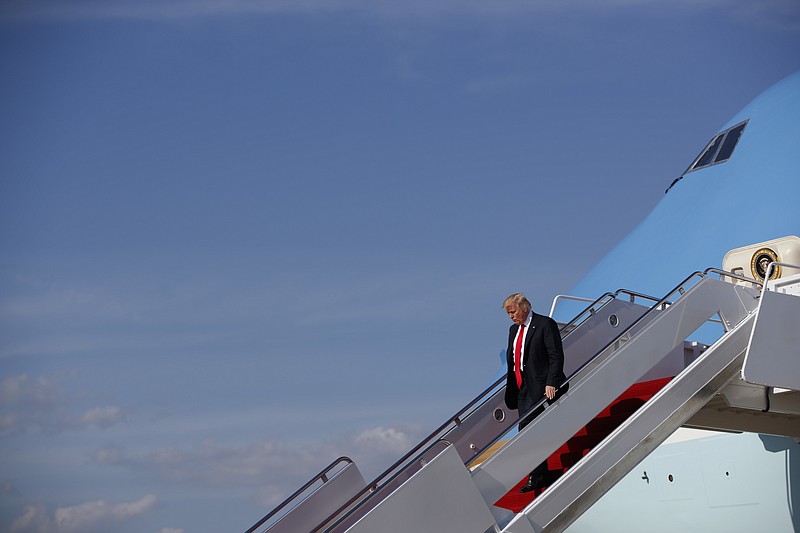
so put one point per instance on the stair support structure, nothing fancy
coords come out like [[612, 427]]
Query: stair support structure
[[607, 376], [569, 497], [615, 352]]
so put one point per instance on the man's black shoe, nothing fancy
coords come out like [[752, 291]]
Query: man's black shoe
[[534, 482]]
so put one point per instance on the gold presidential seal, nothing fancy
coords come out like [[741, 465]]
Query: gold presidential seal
[[761, 260]]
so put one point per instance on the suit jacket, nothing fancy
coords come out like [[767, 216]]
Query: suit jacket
[[544, 358]]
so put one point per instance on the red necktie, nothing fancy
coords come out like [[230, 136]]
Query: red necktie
[[518, 356]]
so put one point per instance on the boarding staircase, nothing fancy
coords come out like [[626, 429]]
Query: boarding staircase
[[622, 402]]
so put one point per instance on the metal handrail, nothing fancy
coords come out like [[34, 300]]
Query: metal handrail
[[768, 273], [633, 295], [370, 488], [590, 309], [603, 300], [570, 326], [724, 273], [680, 288], [322, 476], [566, 297], [764, 289]]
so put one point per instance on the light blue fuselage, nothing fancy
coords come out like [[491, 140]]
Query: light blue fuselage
[[727, 482]]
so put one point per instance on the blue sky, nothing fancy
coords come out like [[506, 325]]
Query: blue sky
[[240, 239]]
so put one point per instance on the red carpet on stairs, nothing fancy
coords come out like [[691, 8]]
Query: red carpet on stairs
[[587, 438]]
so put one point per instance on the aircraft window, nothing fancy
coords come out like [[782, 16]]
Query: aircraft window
[[728, 146], [720, 149], [707, 156]]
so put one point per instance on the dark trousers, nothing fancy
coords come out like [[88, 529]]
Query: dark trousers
[[528, 397]]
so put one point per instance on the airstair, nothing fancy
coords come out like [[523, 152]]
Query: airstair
[[616, 343]]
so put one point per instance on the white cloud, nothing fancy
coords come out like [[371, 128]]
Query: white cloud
[[276, 468], [172, 530], [91, 516], [22, 389], [34, 519], [390, 440], [96, 514], [109, 455], [103, 416], [27, 403]]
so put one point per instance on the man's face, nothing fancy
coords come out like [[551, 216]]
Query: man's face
[[516, 314]]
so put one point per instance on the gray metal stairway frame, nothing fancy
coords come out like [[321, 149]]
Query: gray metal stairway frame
[[470, 431], [627, 354], [769, 385], [709, 298], [609, 374], [642, 345], [457, 506], [580, 487], [602, 379], [477, 426], [772, 358], [314, 501], [707, 377]]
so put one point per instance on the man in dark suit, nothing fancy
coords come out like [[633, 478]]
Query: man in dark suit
[[535, 367]]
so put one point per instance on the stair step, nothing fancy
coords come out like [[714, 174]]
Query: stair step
[[579, 443], [568, 460], [604, 424]]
